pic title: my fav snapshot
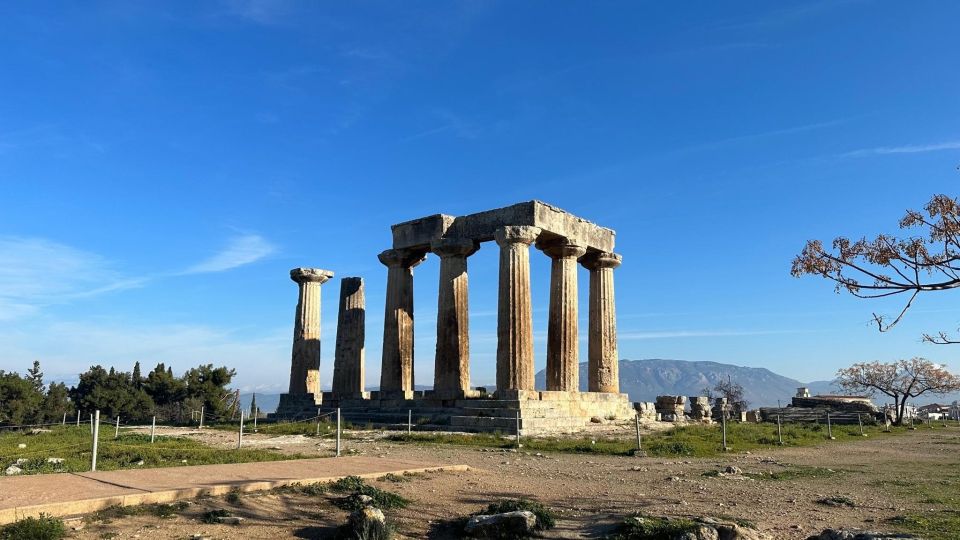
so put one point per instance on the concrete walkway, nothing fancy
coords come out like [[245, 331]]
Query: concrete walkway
[[70, 494]]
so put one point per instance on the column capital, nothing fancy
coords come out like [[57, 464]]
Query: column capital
[[452, 247], [402, 258], [516, 234], [310, 275], [600, 259], [561, 248]]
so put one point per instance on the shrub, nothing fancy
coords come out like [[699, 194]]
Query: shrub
[[546, 518], [356, 486], [653, 528], [213, 516], [39, 528]]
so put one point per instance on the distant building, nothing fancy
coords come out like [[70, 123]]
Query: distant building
[[934, 411], [861, 404]]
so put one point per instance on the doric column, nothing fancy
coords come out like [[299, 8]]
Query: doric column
[[514, 313], [305, 365], [348, 378], [563, 353], [603, 366], [396, 374], [452, 362]]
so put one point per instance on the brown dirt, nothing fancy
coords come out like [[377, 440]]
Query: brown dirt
[[589, 492]]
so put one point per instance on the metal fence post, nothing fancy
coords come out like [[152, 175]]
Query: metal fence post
[[153, 429], [318, 422], [860, 421], [240, 435], [829, 428], [779, 432], [723, 425], [78, 418], [96, 437], [201, 417], [637, 420], [64, 420], [409, 421], [255, 415], [338, 431], [116, 434]]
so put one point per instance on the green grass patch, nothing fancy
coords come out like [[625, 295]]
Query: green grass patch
[[653, 528], [160, 510], [73, 446], [939, 525], [355, 485], [39, 528], [681, 441]]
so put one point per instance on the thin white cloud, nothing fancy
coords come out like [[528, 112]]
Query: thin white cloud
[[241, 250], [35, 272], [906, 149], [671, 334], [82, 344]]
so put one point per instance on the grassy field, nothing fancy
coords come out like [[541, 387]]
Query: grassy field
[[73, 446], [681, 441]]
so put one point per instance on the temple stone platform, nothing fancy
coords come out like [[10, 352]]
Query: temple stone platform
[[541, 412]]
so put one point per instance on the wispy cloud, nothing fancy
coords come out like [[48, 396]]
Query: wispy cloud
[[35, 272], [671, 334], [82, 344], [449, 122], [238, 252], [265, 12], [905, 149]]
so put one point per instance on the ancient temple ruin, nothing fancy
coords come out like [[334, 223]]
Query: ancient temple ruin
[[567, 239]]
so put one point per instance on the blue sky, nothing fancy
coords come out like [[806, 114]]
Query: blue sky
[[164, 164]]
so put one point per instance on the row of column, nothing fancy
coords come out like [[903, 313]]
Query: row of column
[[515, 365]]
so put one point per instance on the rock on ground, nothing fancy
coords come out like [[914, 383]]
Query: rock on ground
[[857, 534], [507, 524]]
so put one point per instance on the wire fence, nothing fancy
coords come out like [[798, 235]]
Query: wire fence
[[105, 435]]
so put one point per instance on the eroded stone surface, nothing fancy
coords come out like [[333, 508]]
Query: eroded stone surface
[[348, 365], [305, 363], [514, 311], [396, 374], [563, 345], [452, 360]]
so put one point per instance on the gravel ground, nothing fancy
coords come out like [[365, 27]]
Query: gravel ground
[[591, 492]]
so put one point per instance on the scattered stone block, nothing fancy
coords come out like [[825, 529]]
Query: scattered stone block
[[12, 470], [515, 524]]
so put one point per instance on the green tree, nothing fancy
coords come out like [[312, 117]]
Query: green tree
[[36, 376], [254, 411], [20, 401], [208, 385], [57, 403], [136, 378], [112, 393]]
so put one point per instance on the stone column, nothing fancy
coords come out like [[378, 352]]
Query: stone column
[[514, 313], [603, 362], [348, 364], [451, 377], [305, 365], [396, 374], [563, 353]]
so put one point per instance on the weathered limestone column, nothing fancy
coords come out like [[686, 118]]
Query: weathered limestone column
[[514, 313], [451, 377], [603, 362], [305, 365], [396, 374], [563, 352], [348, 364]]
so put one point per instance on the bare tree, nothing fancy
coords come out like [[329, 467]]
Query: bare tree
[[891, 266], [734, 394], [901, 380]]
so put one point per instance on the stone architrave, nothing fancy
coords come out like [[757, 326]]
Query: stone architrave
[[563, 344], [452, 360], [396, 374], [603, 370], [348, 365], [514, 312], [305, 363]]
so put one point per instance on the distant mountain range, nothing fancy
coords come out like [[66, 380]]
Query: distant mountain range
[[644, 380]]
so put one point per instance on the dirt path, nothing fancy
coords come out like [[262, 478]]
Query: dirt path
[[590, 491]]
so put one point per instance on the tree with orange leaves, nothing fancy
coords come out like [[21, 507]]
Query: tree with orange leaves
[[890, 266], [901, 380]]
